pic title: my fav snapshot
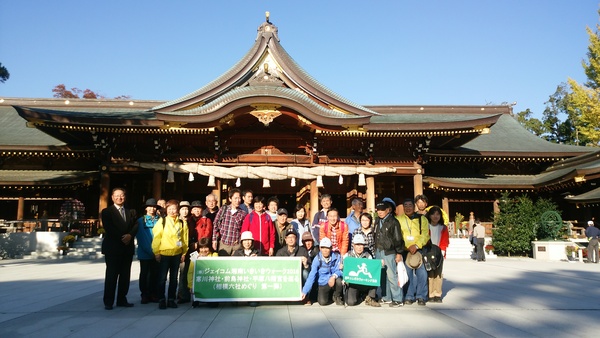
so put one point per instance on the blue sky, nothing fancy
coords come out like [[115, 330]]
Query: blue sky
[[473, 52]]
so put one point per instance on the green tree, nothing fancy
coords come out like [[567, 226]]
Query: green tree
[[531, 123], [584, 99], [4, 74], [518, 224], [61, 91]]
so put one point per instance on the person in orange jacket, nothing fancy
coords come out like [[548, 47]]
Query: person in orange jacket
[[336, 231]]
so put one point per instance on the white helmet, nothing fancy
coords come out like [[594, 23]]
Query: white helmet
[[325, 242], [246, 235], [358, 239]]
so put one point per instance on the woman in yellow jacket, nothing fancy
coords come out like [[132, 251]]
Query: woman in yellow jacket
[[169, 245]]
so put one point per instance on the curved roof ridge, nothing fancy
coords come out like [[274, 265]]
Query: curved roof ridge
[[250, 91], [280, 52], [241, 64]]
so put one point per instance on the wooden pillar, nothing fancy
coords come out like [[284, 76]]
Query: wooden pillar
[[20, 208], [370, 193], [157, 185], [217, 191], [314, 199], [446, 206], [418, 183], [104, 191]]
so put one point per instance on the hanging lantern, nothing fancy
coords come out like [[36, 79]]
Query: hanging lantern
[[238, 182], [191, 177], [361, 180], [211, 181], [170, 176], [266, 183], [320, 182], [341, 180], [293, 184]]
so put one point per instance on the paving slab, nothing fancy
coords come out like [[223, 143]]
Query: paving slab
[[504, 297]]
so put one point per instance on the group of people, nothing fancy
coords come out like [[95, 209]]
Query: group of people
[[172, 234]]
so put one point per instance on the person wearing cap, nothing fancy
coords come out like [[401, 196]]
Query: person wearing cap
[[415, 229], [355, 292], [312, 251], [592, 233], [170, 243], [200, 223], [366, 230], [281, 227], [321, 216], [228, 225], [148, 265], [325, 269], [336, 231], [292, 249], [389, 246], [300, 223], [247, 249], [261, 226], [197, 226]]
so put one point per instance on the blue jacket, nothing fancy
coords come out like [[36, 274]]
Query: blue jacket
[[323, 270], [144, 237]]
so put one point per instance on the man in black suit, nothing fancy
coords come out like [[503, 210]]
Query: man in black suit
[[118, 248]]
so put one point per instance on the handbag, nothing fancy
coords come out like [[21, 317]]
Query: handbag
[[402, 275], [432, 256]]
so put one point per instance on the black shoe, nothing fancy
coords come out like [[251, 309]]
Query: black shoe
[[125, 304], [171, 303], [162, 304], [408, 302], [108, 307], [421, 301], [253, 304], [195, 304], [339, 301], [145, 300], [395, 304], [435, 299]]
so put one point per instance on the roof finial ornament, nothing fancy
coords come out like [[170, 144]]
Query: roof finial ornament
[[267, 15]]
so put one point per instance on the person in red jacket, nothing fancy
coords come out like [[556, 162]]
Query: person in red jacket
[[336, 231], [260, 224], [438, 232], [202, 224]]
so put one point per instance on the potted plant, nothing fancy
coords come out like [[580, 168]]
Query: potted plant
[[489, 249], [101, 232], [68, 240], [571, 250], [62, 250], [458, 218], [76, 233]]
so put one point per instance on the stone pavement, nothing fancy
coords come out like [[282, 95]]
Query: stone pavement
[[504, 297]]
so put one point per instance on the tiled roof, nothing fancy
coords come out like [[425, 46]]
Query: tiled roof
[[14, 131], [45, 177]]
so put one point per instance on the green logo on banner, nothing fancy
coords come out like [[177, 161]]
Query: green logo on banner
[[247, 279], [362, 271]]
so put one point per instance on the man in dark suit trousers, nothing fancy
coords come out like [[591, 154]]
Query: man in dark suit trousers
[[118, 248]]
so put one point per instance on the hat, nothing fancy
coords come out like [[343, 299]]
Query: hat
[[307, 236], [390, 201], [590, 223], [382, 206], [151, 202], [184, 204], [415, 260], [291, 232], [246, 235], [325, 243], [282, 211], [197, 204], [358, 239]]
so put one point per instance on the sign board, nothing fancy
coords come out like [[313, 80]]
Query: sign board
[[247, 279], [362, 271]]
